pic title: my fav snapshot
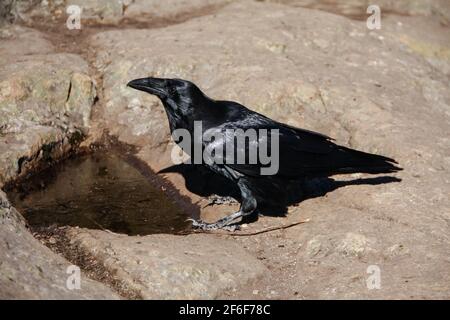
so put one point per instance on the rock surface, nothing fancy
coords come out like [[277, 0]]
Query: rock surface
[[107, 12], [357, 8], [383, 91], [45, 100], [372, 90], [113, 12], [142, 10], [29, 270], [170, 267]]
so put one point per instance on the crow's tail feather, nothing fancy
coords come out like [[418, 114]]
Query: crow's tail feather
[[353, 161]]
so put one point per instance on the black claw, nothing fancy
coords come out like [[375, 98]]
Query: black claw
[[217, 200], [199, 224]]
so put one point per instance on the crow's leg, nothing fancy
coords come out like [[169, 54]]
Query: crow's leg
[[248, 206], [215, 199]]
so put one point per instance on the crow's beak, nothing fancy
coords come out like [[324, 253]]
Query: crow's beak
[[151, 85]]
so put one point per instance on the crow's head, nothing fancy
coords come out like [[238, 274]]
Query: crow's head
[[176, 92]]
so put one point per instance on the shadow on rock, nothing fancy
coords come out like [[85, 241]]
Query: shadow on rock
[[205, 183]]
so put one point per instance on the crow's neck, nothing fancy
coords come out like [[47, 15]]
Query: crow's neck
[[179, 117], [183, 115]]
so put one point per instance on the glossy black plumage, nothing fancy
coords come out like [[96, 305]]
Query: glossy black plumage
[[302, 153]]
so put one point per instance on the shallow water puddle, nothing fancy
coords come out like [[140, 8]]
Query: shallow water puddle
[[98, 191]]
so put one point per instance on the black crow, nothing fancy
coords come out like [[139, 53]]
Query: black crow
[[298, 153]]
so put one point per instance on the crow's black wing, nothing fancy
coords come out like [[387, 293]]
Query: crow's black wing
[[300, 152]]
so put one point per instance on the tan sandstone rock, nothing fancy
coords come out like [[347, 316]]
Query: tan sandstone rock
[[29, 270], [323, 72], [170, 267]]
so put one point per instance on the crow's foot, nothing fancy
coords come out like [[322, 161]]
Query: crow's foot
[[199, 224], [215, 199], [226, 223]]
